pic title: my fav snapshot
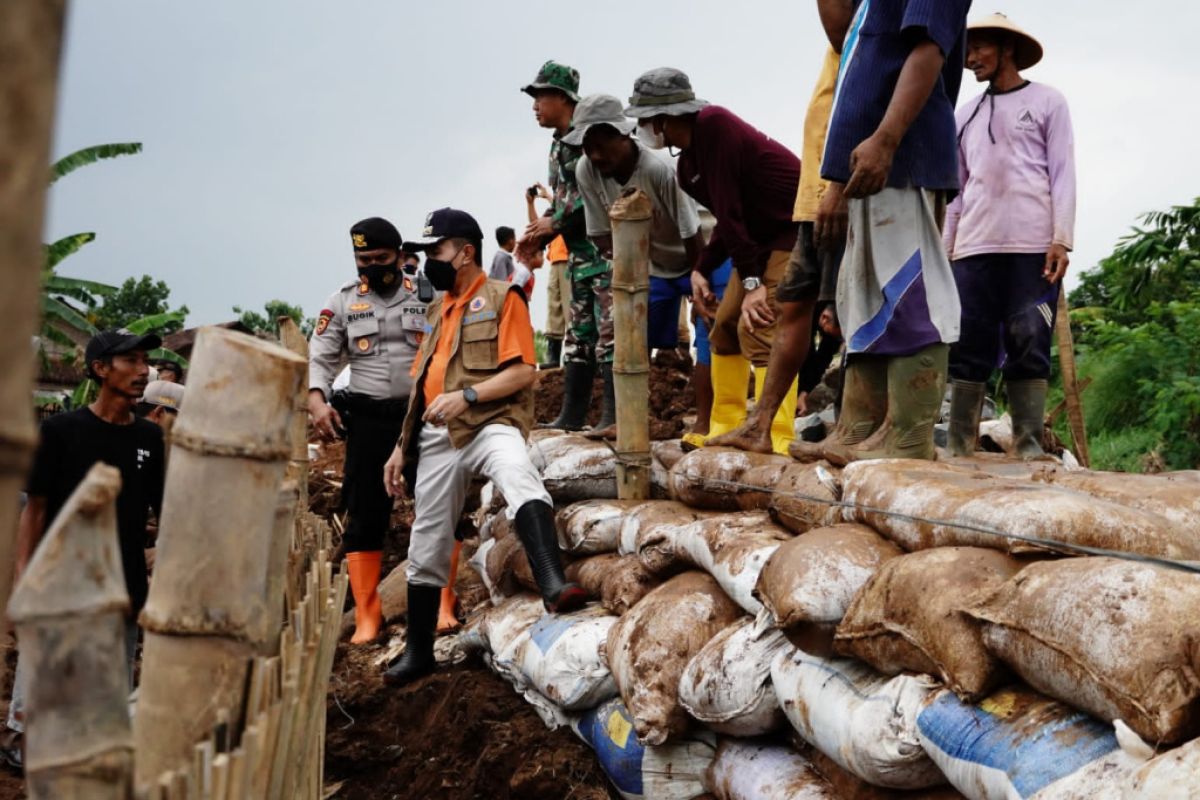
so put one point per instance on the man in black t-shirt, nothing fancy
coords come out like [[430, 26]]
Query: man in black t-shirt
[[106, 430]]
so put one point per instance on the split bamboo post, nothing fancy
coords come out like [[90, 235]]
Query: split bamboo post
[[282, 533], [71, 611], [291, 338], [1071, 390], [208, 612], [630, 216], [30, 40]]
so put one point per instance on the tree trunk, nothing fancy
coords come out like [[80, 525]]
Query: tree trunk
[[630, 216], [209, 611], [30, 39], [1071, 389], [71, 610]]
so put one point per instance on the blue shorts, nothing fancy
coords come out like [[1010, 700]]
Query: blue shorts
[[719, 280], [665, 296]]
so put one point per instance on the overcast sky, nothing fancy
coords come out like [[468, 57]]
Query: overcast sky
[[271, 126]]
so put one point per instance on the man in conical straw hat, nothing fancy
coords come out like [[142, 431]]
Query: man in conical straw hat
[[1009, 233]]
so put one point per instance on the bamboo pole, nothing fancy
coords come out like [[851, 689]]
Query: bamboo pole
[[1071, 390], [208, 612], [630, 216], [71, 610], [30, 41], [291, 338]]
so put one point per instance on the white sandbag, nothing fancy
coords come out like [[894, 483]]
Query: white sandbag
[[639, 772], [1109, 636], [1175, 775], [500, 628], [652, 643], [762, 771], [1018, 744], [733, 548], [943, 493], [863, 721], [646, 518], [592, 526], [727, 685], [563, 657], [478, 562], [574, 467]]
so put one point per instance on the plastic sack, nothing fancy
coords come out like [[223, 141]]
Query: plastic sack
[[666, 772], [727, 685], [750, 770], [562, 656], [864, 721], [574, 467], [591, 526]]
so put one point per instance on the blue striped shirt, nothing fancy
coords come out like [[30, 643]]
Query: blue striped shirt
[[881, 37]]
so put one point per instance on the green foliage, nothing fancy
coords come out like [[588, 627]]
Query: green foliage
[[539, 346], [267, 323], [1139, 340], [90, 155], [140, 300], [64, 247]]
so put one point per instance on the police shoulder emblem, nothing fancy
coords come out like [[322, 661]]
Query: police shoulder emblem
[[323, 321], [477, 304]]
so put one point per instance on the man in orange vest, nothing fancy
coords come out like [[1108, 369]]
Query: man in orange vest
[[469, 413]]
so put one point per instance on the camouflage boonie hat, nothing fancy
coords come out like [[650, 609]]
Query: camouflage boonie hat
[[665, 90], [554, 75]]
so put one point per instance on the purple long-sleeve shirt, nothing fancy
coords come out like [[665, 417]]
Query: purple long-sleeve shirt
[[1018, 191], [748, 181]]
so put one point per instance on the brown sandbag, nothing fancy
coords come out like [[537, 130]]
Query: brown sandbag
[[591, 572], [655, 519], [810, 581], [626, 584], [1172, 496], [718, 478], [651, 645], [949, 494], [909, 618], [797, 503], [1115, 638]]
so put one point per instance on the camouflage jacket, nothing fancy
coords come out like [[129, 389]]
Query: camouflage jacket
[[567, 211]]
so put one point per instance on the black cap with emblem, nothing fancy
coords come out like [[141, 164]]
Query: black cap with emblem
[[375, 233], [445, 223]]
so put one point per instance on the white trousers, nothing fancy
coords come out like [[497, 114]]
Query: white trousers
[[444, 477]]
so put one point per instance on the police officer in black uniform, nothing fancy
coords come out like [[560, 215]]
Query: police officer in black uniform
[[376, 322]]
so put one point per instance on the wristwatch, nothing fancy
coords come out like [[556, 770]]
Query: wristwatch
[[750, 284], [470, 396]]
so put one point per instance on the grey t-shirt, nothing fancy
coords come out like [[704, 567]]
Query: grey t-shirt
[[675, 217], [502, 266]]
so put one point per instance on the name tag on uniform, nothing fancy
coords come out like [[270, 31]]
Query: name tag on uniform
[[482, 316], [356, 316]]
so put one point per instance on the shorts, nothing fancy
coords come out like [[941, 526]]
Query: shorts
[[812, 271], [718, 280], [665, 295]]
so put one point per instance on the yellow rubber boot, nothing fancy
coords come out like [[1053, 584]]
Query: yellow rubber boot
[[729, 377], [364, 569], [447, 620], [783, 427]]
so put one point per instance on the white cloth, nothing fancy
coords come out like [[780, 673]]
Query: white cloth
[[896, 293], [444, 476]]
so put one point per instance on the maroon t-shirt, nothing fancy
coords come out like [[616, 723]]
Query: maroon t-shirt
[[748, 181]]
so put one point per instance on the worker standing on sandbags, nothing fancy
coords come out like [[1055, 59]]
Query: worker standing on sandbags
[[376, 321], [589, 344], [470, 412], [810, 280], [615, 162], [1008, 234], [891, 142], [748, 181]]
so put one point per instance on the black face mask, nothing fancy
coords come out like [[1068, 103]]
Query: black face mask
[[440, 273], [379, 277]]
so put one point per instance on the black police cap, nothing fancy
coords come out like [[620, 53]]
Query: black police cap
[[375, 233]]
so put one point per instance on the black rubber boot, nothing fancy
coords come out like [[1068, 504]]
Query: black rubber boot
[[535, 528], [1027, 405], [577, 397], [553, 354], [966, 407], [608, 414], [417, 660]]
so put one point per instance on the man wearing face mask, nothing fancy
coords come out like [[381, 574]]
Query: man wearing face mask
[[748, 180], [470, 412], [376, 321]]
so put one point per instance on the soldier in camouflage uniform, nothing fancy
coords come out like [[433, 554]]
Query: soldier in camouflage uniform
[[589, 343]]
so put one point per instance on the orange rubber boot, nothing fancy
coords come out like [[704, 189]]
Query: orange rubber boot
[[447, 621], [364, 583]]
